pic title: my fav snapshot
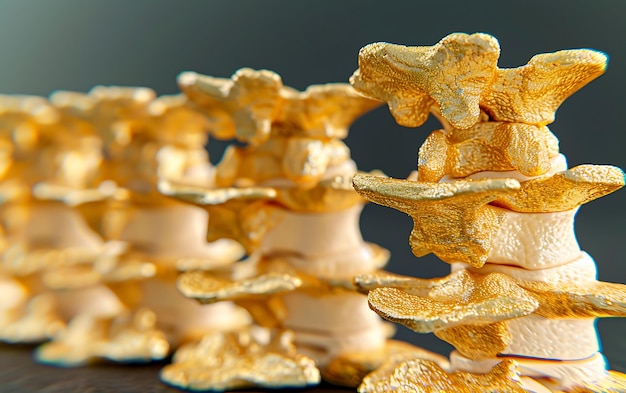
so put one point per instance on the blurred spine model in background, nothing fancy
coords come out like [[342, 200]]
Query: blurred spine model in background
[[494, 198], [286, 195], [43, 144], [94, 244], [146, 138]]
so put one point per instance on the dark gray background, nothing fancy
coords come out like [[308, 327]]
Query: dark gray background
[[48, 45]]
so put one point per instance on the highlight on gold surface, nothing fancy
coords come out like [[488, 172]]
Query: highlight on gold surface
[[477, 341], [294, 155], [30, 322], [258, 103], [468, 309], [45, 145], [615, 382], [410, 81], [241, 214]]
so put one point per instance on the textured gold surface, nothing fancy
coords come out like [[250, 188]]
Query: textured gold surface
[[128, 337], [117, 114], [454, 73], [241, 105], [468, 309], [477, 341], [461, 298], [234, 360], [333, 194], [532, 93], [56, 156], [414, 376], [564, 190], [451, 220], [208, 288], [19, 260], [410, 80], [259, 105], [205, 196], [75, 267], [293, 158], [488, 146], [349, 369], [114, 111], [381, 279], [597, 299]]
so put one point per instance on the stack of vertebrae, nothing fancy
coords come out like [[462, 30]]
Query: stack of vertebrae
[[32, 151], [286, 195], [92, 250], [90, 242], [494, 198], [93, 255]]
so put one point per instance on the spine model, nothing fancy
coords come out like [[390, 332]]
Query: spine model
[[286, 195], [43, 238], [145, 138], [493, 198]]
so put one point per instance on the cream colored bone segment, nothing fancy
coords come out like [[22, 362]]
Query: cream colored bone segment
[[54, 225], [184, 320], [311, 239], [580, 271], [176, 231], [323, 348], [558, 164], [95, 301], [535, 240], [14, 294], [563, 339], [565, 374], [341, 322]]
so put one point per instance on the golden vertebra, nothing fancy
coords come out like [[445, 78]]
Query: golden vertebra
[[496, 131], [287, 197], [452, 220], [455, 73], [487, 146], [240, 359]]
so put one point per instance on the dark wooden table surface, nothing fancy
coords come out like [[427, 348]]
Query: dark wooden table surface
[[19, 374]]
